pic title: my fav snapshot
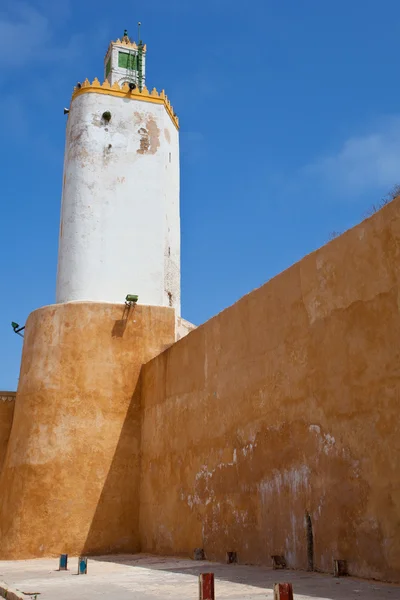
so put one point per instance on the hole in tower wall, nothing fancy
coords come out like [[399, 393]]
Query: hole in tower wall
[[310, 543], [170, 157]]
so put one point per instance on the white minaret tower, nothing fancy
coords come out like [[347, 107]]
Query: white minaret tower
[[120, 226]]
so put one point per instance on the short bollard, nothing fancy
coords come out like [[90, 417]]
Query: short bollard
[[82, 565], [283, 591], [206, 586], [63, 562]]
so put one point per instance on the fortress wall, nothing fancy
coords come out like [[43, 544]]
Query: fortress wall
[[70, 481], [7, 403], [283, 405]]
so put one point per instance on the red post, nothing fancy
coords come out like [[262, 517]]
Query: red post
[[206, 586], [283, 591]]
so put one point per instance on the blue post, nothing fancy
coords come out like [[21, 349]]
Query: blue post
[[63, 562], [82, 565]]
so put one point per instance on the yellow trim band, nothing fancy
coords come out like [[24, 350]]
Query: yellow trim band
[[125, 92]]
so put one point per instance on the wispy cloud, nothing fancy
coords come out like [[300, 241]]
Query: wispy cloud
[[364, 162], [26, 34]]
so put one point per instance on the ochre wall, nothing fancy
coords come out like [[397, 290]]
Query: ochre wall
[[284, 404], [7, 402], [70, 481]]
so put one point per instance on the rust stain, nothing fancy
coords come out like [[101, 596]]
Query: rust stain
[[167, 135]]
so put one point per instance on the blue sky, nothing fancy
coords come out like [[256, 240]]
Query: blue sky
[[290, 130]]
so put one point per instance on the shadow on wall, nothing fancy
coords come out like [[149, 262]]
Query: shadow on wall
[[120, 325], [115, 526], [7, 404]]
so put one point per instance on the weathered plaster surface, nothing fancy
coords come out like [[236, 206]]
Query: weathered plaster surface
[[120, 224], [7, 403], [284, 404], [71, 475]]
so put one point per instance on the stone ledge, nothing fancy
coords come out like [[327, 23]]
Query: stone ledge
[[12, 594]]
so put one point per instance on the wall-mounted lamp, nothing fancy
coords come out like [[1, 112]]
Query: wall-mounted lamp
[[131, 299], [17, 329]]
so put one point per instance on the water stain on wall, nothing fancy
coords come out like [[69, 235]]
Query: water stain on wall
[[107, 153], [74, 147], [281, 406]]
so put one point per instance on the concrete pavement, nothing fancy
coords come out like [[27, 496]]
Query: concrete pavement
[[145, 577]]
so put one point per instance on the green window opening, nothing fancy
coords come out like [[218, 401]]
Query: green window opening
[[127, 61]]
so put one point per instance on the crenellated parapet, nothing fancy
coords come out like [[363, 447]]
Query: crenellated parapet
[[127, 44], [7, 396], [125, 91]]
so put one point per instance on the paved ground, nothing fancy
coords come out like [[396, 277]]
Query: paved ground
[[143, 577]]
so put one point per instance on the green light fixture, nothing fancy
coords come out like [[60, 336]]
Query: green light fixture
[[17, 328]]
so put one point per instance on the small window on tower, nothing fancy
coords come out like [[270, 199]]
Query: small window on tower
[[127, 61]]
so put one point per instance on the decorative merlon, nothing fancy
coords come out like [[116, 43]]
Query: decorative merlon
[[124, 90], [127, 44], [7, 396]]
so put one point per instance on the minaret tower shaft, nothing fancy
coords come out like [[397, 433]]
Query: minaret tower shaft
[[80, 388], [120, 224]]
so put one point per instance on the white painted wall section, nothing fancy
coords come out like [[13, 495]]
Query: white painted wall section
[[120, 224]]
